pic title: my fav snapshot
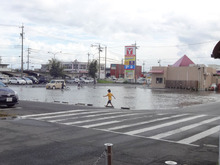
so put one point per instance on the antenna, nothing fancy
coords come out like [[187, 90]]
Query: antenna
[[159, 62]]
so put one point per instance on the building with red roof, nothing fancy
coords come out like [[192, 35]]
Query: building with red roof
[[184, 74], [184, 61]]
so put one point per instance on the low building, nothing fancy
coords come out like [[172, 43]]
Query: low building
[[75, 69], [183, 74], [117, 70]]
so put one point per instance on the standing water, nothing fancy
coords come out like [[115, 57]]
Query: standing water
[[132, 96]]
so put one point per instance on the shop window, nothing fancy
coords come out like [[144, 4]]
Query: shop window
[[82, 66], [75, 66], [159, 80], [67, 66]]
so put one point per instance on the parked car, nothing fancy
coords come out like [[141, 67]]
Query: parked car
[[7, 96], [213, 87], [43, 80], [56, 84], [70, 81], [16, 80], [34, 79], [120, 80], [4, 80], [27, 80], [141, 80], [83, 80], [76, 80]]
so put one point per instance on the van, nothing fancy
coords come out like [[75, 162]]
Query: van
[[56, 84]]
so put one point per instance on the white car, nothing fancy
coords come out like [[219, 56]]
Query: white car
[[16, 80], [76, 80], [141, 80], [4, 80], [120, 80], [27, 80]]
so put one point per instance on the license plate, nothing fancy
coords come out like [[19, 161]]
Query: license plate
[[9, 99]]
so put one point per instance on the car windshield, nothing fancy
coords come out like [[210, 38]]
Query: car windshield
[[2, 85]]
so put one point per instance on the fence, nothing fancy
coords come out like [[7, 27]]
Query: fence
[[178, 84]]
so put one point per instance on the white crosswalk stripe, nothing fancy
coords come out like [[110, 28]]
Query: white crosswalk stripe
[[201, 135], [145, 122], [97, 119], [87, 116], [177, 128], [51, 113], [162, 125]]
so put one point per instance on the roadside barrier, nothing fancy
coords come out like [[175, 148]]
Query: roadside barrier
[[83, 104], [108, 148], [125, 108], [107, 153]]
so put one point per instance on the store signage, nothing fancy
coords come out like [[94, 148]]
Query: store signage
[[129, 62]]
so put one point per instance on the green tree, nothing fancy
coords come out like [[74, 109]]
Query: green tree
[[56, 70], [93, 68]]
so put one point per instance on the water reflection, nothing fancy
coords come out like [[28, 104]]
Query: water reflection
[[135, 97]]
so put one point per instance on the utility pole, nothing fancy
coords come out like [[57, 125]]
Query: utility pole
[[99, 49], [22, 46], [105, 59], [28, 58], [88, 62], [99, 60], [135, 69], [88, 58]]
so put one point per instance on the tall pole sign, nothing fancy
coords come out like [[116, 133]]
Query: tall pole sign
[[129, 62]]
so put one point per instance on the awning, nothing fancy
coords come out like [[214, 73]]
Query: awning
[[156, 71], [216, 51]]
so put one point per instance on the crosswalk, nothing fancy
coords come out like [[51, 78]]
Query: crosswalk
[[185, 129]]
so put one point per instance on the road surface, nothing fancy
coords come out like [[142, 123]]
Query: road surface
[[50, 133]]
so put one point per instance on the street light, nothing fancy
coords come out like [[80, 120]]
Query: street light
[[54, 53]]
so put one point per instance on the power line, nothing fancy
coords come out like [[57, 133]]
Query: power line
[[9, 25], [183, 45]]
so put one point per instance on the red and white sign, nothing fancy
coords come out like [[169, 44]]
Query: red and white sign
[[130, 51]]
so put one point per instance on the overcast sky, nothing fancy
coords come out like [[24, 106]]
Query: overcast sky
[[163, 29]]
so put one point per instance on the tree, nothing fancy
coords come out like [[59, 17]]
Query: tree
[[93, 69], [55, 68]]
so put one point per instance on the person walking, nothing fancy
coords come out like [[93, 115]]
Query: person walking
[[109, 95]]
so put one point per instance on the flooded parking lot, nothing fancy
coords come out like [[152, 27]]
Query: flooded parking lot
[[132, 96]]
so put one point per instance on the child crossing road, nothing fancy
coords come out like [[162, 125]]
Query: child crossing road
[[109, 95]]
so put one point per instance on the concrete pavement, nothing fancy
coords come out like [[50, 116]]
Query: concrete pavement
[[35, 140]]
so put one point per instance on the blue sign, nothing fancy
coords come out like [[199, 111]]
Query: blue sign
[[129, 67]]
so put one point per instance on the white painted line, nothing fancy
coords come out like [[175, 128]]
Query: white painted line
[[91, 120], [100, 124], [144, 137], [51, 113], [182, 129], [199, 136], [145, 122], [103, 114], [67, 114], [70, 118], [162, 125]]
